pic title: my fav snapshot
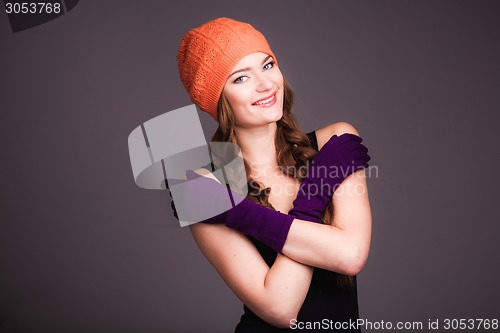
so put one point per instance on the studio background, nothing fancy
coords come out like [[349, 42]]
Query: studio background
[[83, 249]]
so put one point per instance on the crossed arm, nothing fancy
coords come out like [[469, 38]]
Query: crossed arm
[[277, 293]]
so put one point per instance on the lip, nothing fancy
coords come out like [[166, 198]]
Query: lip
[[268, 104]]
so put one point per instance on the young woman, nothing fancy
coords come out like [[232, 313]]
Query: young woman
[[294, 270]]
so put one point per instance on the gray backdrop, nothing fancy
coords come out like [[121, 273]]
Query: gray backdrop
[[83, 249]]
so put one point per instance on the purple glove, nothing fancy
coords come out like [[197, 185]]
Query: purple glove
[[250, 218], [337, 159]]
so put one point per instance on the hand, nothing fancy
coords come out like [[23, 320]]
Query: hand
[[337, 159], [201, 199], [186, 218]]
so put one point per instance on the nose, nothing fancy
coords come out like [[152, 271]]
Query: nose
[[264, 82]]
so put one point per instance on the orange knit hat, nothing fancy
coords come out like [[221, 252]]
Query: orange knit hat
[[208, 53]]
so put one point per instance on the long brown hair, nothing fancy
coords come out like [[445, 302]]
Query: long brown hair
[[293, 149]]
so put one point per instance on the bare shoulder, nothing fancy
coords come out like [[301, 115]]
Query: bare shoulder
[[206, 173], [324, 134]]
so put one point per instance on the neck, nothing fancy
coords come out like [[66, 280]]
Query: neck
[[258, 146]]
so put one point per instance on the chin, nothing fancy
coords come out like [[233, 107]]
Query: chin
[[278, 116], [272, 115], [279, 113]]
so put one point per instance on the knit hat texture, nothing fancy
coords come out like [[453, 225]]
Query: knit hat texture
[[208, 53]]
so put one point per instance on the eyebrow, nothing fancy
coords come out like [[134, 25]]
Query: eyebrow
[[249, 68]]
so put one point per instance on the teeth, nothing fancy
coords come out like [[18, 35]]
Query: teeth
[[265, 101]]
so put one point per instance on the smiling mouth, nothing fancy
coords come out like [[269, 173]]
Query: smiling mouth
[[268, 101]]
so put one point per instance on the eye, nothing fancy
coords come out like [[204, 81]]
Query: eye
[[241, 79], [269, 65]]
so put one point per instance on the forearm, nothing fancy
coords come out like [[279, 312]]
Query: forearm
[[274, 293], [342, 246], [285, 287], [327, 247]]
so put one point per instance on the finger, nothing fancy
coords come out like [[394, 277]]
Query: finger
[[356, 146], [360, 155], [190, 174], [358, 164]]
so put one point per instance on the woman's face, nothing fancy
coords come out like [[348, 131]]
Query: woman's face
[[254, 90]]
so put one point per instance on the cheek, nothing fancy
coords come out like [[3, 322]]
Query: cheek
[[278, 77], [234, 98], [241, 98], [237, 97], [232, 94]]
